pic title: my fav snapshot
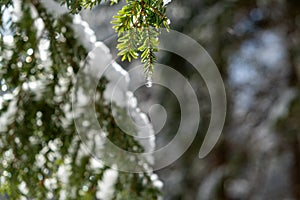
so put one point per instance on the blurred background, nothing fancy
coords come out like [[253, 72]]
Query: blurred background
[[256, 46]]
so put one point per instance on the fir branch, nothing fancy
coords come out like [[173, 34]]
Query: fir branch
[[146, 16], [141, 14]]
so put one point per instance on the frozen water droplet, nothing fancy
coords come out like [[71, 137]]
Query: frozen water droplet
[[148, 81]]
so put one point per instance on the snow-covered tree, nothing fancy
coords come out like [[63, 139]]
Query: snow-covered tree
[[44, 103]]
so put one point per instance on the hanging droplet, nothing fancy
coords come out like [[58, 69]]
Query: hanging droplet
[[148, 81]]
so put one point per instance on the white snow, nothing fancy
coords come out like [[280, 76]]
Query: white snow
[[166, 2], [106, 185], [100, 62], [40, 160], [37, 87], [50, 183], [43, 48], [17, 13], [8, 40], [156, 182], [39, 24], [84, 33], [95, 164], [7, 117], [23, 188], [63, 173]]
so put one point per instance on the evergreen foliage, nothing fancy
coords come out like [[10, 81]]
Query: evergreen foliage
[[138, 25], [41, 153]]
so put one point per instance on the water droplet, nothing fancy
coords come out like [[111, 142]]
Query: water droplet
[[8, 39], [148, 81]]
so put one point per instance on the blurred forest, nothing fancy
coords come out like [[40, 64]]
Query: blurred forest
[[256, 45]]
